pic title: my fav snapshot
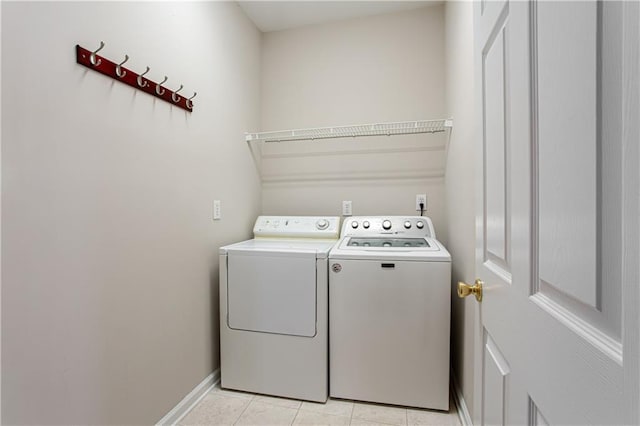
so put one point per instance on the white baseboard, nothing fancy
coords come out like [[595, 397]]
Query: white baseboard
[[188, 402], [461, 405]]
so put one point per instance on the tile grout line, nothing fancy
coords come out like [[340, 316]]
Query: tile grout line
[[296, 416], [245, 408], [297, 412]]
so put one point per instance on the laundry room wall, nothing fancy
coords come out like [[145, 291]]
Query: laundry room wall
[[109, 251], [368, 70], [460, 188]]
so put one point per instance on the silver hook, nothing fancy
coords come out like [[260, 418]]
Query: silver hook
[[174, 95], [92, 57], [140, 82], [158, 91], [189, 103], [119, 71]]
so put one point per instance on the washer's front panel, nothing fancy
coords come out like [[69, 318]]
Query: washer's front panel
[[389, 331]]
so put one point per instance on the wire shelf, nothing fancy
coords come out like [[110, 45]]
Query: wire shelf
[[380, 129]]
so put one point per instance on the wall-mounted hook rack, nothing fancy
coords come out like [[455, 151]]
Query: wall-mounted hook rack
[[92, 60]]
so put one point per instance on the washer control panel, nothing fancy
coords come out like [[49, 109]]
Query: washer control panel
[[418, 226], [297, 227]]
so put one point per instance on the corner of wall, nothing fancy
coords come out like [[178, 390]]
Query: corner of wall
[[460, 185]]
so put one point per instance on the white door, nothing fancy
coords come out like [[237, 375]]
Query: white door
[[557, 213]]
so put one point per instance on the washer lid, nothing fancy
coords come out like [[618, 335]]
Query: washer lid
[[390, 248]]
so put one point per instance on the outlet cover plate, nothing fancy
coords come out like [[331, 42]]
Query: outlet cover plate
[[347, 209], [217, 211]]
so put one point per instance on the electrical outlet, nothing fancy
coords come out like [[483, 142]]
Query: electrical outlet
[[217, 212], [421, 198], [346, 208]]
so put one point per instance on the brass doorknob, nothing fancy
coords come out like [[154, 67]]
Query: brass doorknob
[[465, 289]]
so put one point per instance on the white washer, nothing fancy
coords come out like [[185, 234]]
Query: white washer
[[274, 308], [389, 308]]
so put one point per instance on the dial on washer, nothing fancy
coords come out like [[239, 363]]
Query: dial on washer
[[322, 224]]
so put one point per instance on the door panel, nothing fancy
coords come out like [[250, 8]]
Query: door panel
[[496, 375], [567, 125], [272, 293], [535, 416], [494, 81], [579, 271]]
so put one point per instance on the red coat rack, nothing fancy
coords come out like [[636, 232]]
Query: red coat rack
[[116, 71]]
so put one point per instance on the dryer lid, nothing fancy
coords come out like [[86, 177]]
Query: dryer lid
[[281, 247]]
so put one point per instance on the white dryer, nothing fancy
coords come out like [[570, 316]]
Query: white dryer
[[274, 308], [389, 307]]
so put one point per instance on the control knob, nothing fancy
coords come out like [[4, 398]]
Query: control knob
[[386, 224], [420, 224], [354, 224], [365, 224], [322, 224], [407, 224]]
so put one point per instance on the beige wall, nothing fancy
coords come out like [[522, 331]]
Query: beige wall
[[109, 253], [460, 186], [367, 70]]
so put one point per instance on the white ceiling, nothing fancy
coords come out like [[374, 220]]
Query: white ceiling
[[281, 15]]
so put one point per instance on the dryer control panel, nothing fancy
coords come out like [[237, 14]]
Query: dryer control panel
[[324, 227]]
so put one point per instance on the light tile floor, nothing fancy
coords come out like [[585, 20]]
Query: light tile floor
[[225, 407]]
